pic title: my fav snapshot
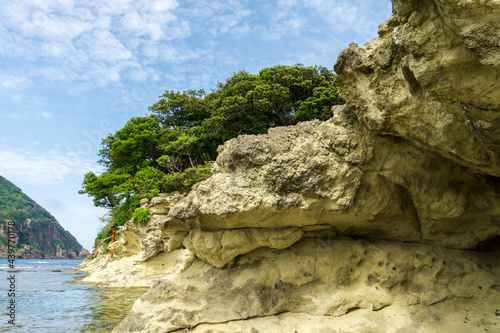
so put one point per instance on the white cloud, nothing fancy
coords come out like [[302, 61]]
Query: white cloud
[[16, 97], [99, 39], [358, 17], [288, 3], [14, 82], [217, 17], [354, 19], [47, 115], [103, 46], [15, 116], [42, 168], [98, 43]]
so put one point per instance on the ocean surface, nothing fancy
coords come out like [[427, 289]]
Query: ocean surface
[[47, 300]]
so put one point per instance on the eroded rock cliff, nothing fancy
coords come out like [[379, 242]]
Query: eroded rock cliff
[[432, 78], [385, 218], [30, 230]]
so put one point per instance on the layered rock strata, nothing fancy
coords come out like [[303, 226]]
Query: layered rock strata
[[316, 281], [385, 218]]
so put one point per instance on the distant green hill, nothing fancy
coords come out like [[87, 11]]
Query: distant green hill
[[39, 235]]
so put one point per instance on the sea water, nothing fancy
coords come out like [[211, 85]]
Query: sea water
[[47, 299]]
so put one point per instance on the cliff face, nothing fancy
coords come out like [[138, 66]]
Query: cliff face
[[432, 78], [37, 232], [385, 218]]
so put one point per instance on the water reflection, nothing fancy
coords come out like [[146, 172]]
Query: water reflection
[[109, 307]]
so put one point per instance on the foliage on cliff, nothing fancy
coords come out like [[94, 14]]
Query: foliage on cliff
[[173, 148], [35, 227]]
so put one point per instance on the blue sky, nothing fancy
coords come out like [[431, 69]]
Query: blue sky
[[71, 72]]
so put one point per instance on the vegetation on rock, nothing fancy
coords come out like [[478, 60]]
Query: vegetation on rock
[[38, 232], [174, 147]]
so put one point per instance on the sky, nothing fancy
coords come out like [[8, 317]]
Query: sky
[[72, 72]]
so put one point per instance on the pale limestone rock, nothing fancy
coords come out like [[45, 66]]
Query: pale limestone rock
[[409, 168], [142, 252], [290, 167], [319, 277], [454, 315], [145, 240], [161, 204], [125, 272], [367, 186], [220, 248], [432, 78], [348, 181]]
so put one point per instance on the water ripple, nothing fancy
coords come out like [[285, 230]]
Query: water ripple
[[47, 301]]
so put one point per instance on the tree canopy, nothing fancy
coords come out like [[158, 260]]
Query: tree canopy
[[174, 146]]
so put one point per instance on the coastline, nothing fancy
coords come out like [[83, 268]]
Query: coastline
[[127, 272], [51, 297], [19, 256]]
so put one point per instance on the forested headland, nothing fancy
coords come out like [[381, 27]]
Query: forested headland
[[37, 233]]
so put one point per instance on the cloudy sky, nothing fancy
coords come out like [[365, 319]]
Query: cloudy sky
[[71, 72]]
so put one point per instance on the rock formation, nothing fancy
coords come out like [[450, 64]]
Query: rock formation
[[385, 218], [35, 232], [432, 78]]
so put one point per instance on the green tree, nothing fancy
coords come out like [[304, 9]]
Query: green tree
[[133, 147], [232, 111], [124, 154], [17, 207], [180, 109], [307, 92], [174, 147], [105, 188]]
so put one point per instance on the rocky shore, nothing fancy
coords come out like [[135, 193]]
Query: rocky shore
[[385, 218], [29, 253]]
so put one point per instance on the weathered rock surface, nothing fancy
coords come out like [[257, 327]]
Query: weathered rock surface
[[318, 277], [122, 272], [147, 239], [337, 178], [432, 78], [141, 255], [385, 218]]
